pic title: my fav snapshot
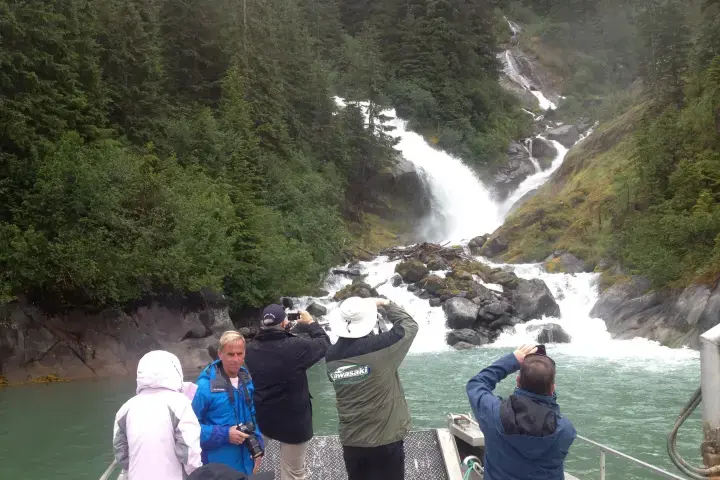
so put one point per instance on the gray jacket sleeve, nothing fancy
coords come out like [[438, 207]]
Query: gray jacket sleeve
[[121, 450], [404, 327]]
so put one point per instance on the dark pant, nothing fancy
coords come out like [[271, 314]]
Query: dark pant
[[386, 462]]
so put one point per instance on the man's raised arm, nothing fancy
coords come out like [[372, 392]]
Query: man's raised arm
[[480, 387]]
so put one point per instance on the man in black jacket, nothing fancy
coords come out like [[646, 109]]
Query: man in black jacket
[[277, 361]]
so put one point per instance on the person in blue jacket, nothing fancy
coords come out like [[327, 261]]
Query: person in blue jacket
[[525, 435], [224, 400]]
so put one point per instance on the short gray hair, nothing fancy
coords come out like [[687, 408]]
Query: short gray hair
[[231, 336]]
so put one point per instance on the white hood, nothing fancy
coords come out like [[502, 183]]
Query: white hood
[[159, 369]]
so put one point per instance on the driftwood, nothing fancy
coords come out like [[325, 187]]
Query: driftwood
[[348, 273], [425, 250]]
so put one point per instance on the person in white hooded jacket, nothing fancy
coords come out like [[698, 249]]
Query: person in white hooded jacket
[[156, 435]]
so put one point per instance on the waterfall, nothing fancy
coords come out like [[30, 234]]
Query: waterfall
[[463, 208]]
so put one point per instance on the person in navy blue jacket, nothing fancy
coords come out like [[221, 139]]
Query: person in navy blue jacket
[[223, 400], [526, 436]]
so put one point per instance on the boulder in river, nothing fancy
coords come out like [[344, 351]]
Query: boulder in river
[[468, 335], [481, 294], [432, 284], [412, 271], [533, 300], [494, 246], [494, 310], [438, 263], [396, 280], [460, 313], [549, 333], [544, 151], [503, 322], [476, 244], [567, 135], [507, 279], [464, 346], [359, 289], [316, 310], [563, 262]]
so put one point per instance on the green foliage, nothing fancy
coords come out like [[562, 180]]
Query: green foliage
[[154, 146], [436, 63]]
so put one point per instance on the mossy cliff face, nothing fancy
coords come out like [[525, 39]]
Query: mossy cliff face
[[573, 210]]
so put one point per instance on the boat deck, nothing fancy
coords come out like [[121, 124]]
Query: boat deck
[[425, 454], [423, 458]]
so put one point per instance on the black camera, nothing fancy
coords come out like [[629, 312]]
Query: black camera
[[252, 443]]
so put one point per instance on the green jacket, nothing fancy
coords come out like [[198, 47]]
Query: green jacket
[[364, 371]]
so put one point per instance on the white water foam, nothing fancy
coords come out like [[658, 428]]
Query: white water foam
[[431, 334], [576, 294]]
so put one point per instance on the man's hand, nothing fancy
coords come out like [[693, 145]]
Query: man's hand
[[258, 461], [305, 318], [523, 351], [382, 302], [235, 436]]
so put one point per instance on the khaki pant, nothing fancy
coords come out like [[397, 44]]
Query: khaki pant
[[292, 461]]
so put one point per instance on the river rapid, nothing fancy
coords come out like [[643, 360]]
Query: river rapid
[[626, 393]]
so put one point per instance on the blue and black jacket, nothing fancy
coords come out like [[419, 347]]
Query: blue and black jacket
[[218, 406], [525, 435]]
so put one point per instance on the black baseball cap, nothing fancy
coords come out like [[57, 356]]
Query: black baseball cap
[[273, 315]]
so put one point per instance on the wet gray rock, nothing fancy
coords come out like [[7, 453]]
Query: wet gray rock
[[507, 279], [482, 295], [460, 313], [544, 152], [435, 302], [503, 322], [495, 246], [477, 243], [567, 135], [412, 271], [78, 344], [509, 174], [493, 310], [467, 335], [673, 318], [396, 280], [533, 300], [316, 310], [464, 346], [549, 333], [438, 263], [564, 262], [432, 283]]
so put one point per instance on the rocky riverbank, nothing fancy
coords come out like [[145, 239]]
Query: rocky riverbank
[[673, 318], [76, 345], [478, 301]]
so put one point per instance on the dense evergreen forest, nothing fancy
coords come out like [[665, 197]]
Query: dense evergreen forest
[[645, 193], [158, 146]]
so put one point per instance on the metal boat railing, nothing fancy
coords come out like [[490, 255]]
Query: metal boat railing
[[109, 471], [605, 449]]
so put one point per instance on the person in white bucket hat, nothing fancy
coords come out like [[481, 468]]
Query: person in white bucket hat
[[363, 367]]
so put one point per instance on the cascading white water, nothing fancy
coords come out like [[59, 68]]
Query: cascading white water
[[462, 205], [534, 181], [463, 208]]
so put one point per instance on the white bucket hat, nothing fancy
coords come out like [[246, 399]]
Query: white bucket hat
[[357, 318]]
